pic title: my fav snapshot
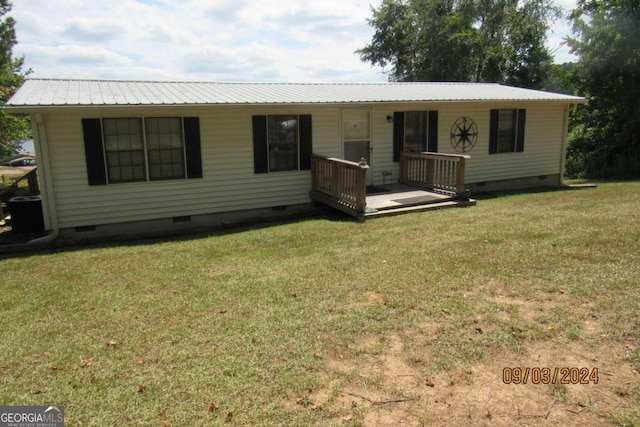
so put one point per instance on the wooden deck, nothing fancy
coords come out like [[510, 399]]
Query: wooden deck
[[397, 198], [427, 181]]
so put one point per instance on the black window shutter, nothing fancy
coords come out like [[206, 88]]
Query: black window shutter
[[493, 132], [432, 143], [260, 158], [522, 117], [306, 144], [93, 152], [398, 135], [193, 147]]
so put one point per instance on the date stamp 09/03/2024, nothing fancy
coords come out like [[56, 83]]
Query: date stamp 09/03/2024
[[561, 375]]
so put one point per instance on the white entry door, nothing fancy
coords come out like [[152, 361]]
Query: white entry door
[[356, 137]]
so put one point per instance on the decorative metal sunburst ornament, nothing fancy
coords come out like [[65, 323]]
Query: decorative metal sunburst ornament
[[464, 134]]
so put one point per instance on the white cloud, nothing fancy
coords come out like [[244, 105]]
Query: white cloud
[[284, 40], [215, 40], [62, 55], [559, 31]]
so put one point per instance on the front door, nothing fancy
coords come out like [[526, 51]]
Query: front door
[[356, 137]]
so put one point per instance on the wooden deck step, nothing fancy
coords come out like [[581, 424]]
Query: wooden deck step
[[398, 196], [395, 199], [388, 211], [402, 202]]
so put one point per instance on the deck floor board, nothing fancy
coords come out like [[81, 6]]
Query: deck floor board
[[398, 195]]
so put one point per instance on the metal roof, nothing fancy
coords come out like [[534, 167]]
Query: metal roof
[[36, 93]]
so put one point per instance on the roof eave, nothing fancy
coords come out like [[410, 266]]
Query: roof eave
[[25, 109]]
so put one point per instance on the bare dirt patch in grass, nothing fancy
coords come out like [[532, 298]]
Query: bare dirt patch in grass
[[372, 299], [398, 378], [381, 386], [443, 363]]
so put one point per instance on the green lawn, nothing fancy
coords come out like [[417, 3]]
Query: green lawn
[[326, 321]]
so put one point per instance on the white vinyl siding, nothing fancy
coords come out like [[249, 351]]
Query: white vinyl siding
[[542, 148], [542, 153], [229, 182]]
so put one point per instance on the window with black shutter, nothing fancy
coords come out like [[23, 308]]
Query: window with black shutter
[[282, 143], [506, 131], [415, 131], [135, 149]]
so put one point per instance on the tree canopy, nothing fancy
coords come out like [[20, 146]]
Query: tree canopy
[[604, 143], [13, 129], [503, 41], [462, 40]]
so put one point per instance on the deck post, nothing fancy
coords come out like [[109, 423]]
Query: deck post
[[460, 189], [335, 177], [32, 180], [361, 186], [430, 172], [403, 169]]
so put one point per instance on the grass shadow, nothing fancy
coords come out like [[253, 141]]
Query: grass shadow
[[488, 195], [15, 245]]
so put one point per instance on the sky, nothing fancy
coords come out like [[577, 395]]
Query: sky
[[206, 40]]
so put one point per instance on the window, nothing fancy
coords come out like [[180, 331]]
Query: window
[[124, 150], [165, 148], [507, 131], [282, 143], [356, 135], [507, 121], [128, 157], [282, 138], [415, 131], [135, 149]]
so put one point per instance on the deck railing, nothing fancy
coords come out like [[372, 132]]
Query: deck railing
[[439, 172], [339, 183], [32, 183]]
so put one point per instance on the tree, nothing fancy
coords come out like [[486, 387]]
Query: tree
[[529, 61], [462, 40], [13, 129], [562, 79], [605, 142]]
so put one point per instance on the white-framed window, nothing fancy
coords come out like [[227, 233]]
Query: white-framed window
[[415, 131], [139, 149], [507, 125], [283, 143], [507, 131], [148, 149], [124, 149], [165, 148]]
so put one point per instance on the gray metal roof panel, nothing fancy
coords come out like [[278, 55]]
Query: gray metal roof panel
[[52, 93]]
